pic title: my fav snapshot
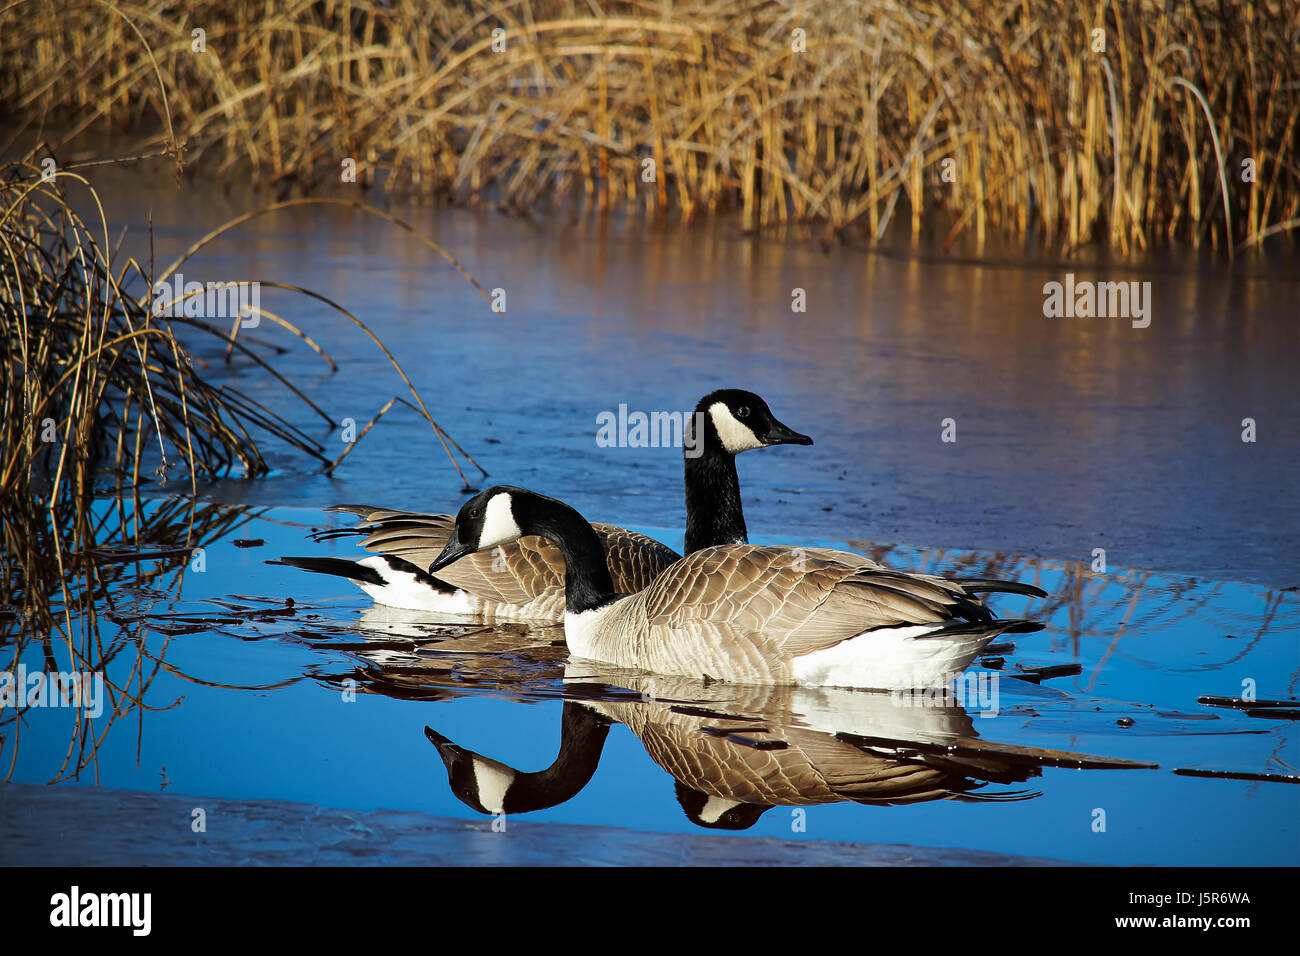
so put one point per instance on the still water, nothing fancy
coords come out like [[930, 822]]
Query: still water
[[1071, 434], [332, 702], [1078, 441]]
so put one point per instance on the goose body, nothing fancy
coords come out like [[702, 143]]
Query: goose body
[[734, 752], [518, 581], [746, 613], [768, 615], [523, 580], [722, 783]]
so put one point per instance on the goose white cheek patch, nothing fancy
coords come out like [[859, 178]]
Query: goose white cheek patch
[[498, 523], [736, 436]]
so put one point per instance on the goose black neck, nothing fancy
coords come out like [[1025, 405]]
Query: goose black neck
[[582, 739], [587, 582], [713, 511]]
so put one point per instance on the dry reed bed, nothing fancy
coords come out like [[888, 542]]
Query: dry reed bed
[[1046, 137], [94, 381]]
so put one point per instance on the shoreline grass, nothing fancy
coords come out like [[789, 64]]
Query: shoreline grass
[[94, 374], [998, 115], [103, 394]]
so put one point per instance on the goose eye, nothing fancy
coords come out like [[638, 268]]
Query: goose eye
[[476, 513], [742, 411]]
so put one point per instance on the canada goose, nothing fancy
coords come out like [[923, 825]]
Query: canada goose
[[725, 781], [524, 580], [735, 752], [743, 612]]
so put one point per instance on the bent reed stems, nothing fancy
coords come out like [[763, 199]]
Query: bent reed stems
[[103, 395]]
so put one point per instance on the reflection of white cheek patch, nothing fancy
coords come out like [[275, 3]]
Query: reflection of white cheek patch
[[492, 783], [736, 437], [715, 807], [498, 523]]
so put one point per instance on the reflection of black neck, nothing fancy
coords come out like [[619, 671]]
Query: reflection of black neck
[[582, 739], [587, 583], [713, 511]]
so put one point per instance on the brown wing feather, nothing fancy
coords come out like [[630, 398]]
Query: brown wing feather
[[516, 573], [791, 602], [811, 767]]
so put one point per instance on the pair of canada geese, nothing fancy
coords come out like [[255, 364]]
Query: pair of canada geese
[[729, 610]]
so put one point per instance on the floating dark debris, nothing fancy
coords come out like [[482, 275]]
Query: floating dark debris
[[594, 689], [1237, 775], [686, 711], [1274, 713], [249, 542], [993, 663], [360, 646], [251, 598], [1025, 756], [725, 731], [1125, 722], [1038, 673], [754, 744], [1240, 703], [124, 556], [163, 621], [1006, 647], [740, 735], [174, 630]]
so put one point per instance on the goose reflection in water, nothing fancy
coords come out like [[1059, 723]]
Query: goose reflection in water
[[736, 751]]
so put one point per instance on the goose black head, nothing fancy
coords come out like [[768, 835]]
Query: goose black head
[[486, 520], [479, 782], [738, 420], [717, 813]]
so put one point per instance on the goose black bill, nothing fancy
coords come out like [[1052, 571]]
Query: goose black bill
[[778, 434], [453, 551]]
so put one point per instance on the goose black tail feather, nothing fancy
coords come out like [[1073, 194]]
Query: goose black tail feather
[[1000, 626], [338, 566], [329, 534], [365, 574], [993, 586]]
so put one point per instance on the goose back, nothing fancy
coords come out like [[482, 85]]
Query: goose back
[[527, 573], [749, 612]]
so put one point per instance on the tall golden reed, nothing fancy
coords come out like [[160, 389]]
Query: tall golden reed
[[994, 114]]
